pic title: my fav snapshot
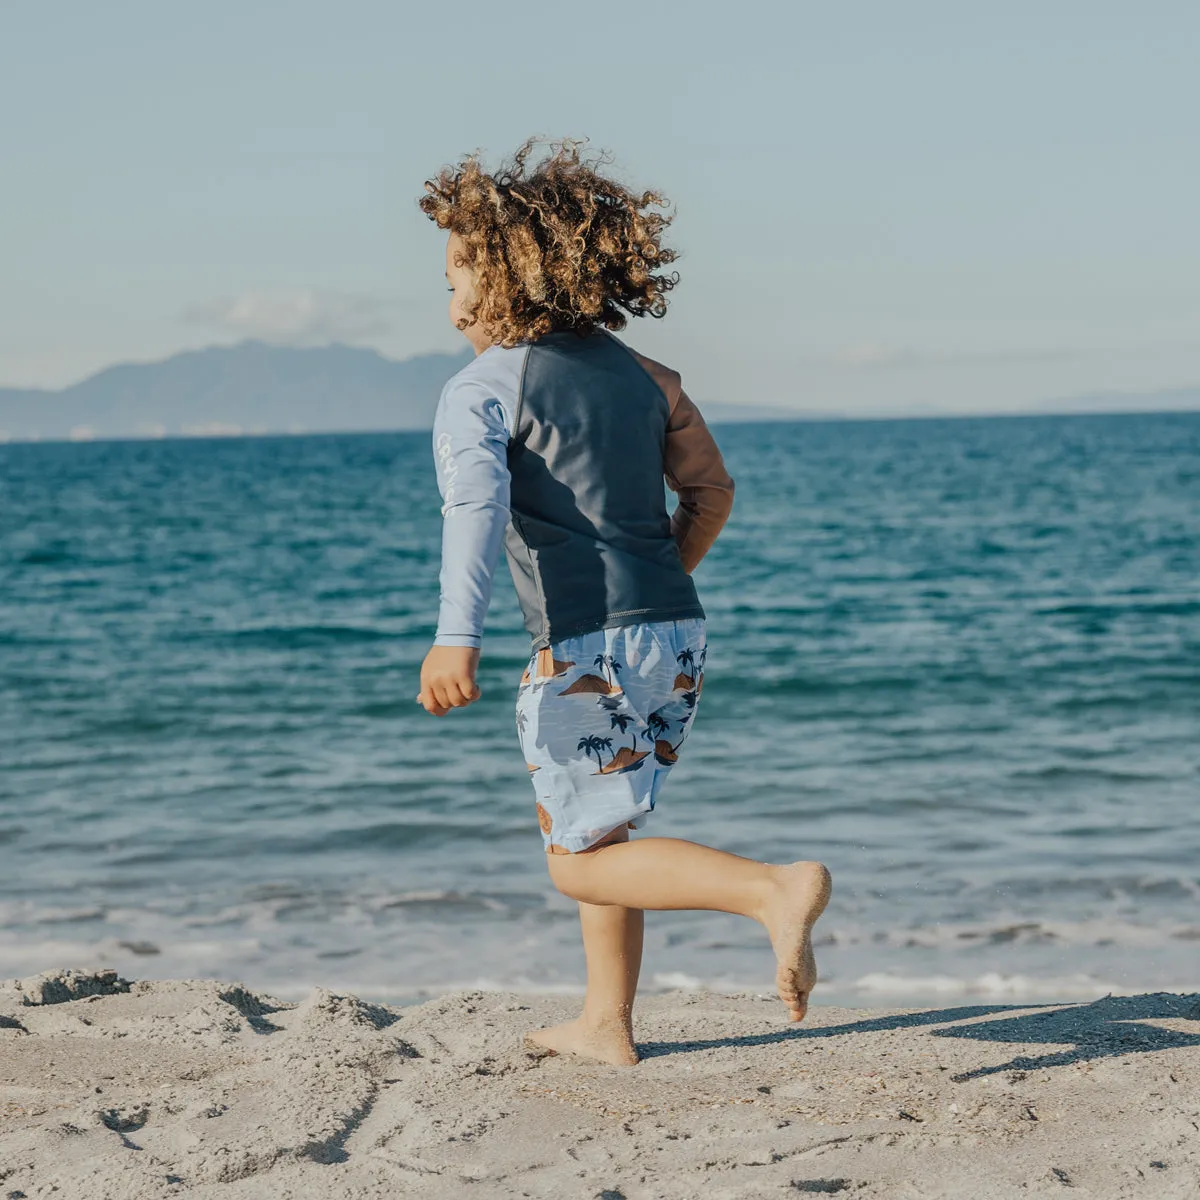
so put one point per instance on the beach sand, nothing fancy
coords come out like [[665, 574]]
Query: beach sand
[[203, 1089]]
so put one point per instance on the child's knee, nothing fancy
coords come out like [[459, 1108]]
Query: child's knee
[[570, 871], [567, 871]]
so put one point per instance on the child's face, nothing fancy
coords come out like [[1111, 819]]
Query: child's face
[[462, 287]]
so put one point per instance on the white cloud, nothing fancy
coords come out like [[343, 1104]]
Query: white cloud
[[297, 317]]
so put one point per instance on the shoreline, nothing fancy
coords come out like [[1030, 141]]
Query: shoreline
[[205, 1089], [883, 989]]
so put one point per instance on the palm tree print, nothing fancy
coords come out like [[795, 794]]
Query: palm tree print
[[622, 721], [664, 753], [683, 722], [593, 744], [522, 721], [624, 758], [657, 723], [609, 665], [686, 679], [659, 726]]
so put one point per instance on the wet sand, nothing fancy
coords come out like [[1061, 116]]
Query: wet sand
[[203, 1089]]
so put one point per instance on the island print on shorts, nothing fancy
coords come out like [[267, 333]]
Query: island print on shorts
[[663, 732]]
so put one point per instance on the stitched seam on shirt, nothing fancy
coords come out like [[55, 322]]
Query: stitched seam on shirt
[[520, 396], [635, 612], [535, 568]]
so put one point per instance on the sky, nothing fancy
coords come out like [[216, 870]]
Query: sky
[[880, 207]]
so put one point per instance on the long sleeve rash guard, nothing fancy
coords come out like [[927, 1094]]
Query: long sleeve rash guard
[[471, 433]]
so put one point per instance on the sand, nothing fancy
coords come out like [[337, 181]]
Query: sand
[[204, 1089]]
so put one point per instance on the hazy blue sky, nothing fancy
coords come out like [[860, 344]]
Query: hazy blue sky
[[881, 206]]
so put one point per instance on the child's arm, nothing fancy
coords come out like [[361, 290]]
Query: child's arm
[[470, 440], [694, 469]]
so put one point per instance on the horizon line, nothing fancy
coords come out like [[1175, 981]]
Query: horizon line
[[799, 418]]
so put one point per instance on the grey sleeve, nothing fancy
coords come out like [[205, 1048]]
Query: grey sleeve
[[470, 448]]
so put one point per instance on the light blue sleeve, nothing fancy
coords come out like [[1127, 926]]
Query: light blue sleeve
[[470, 449]]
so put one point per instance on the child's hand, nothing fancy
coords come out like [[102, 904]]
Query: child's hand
[[448, 679]]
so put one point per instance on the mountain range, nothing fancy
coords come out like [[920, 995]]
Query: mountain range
[[254, 388], [249, 388]]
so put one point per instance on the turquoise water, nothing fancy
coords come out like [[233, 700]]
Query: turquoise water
[[957, 660]]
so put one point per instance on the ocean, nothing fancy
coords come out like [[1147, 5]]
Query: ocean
[[957, 660]]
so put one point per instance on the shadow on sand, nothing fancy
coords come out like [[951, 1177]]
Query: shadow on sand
[[1078, 1032]]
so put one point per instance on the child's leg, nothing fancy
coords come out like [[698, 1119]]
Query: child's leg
[[612, 943], [665, 873]]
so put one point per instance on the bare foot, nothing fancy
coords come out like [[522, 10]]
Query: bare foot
[[802, 892], [608, 1044]]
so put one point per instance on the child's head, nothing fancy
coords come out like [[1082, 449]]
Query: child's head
[[551, 245]]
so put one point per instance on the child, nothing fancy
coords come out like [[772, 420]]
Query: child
[[554, 442]]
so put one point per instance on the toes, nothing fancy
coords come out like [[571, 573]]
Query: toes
[[796, 1000]]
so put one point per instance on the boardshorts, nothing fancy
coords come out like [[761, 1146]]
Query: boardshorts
[[602, 718]]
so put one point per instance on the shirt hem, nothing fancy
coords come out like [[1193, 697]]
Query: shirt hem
[[633, 616]]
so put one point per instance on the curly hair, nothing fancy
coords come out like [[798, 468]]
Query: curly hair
[[553, 245]]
